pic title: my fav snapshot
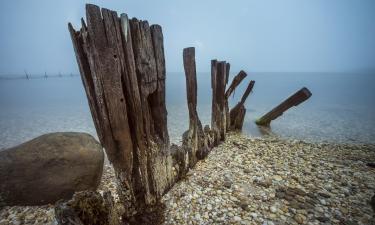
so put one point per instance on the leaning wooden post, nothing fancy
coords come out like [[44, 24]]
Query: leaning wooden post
[[235, 82], [294, 100], [237, 113]]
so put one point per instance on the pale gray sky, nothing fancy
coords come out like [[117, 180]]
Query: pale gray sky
[[255, 35]]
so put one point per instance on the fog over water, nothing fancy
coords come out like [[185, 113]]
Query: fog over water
[[334, 113], [326, 46]]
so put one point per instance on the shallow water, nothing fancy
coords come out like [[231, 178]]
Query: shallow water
[[341, 108]]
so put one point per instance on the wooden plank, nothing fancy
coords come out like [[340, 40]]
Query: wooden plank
[[294, 100], [86, 79], [108, 69], [144, 56], [159, 109], [227, 69]]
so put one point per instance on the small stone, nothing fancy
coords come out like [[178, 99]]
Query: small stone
[[372, 202], [254, 215], [280, 194], [299, 218], [237, 218], [277, 178], [247, 170], [244, 204], [322, 219], [227, 184], [273, 209], [295, 204], [324, 194], [284, 208]]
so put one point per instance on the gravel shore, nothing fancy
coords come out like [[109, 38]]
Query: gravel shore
[[273, 181], [259, 181]]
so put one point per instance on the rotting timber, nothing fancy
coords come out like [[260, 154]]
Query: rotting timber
[[122, 67], [294, 100]]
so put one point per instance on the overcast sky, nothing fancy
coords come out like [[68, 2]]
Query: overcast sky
[[255, 35]]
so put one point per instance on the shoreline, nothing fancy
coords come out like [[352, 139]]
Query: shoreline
[[251, 180]]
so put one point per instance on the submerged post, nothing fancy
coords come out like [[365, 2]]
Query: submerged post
[[294, 100]]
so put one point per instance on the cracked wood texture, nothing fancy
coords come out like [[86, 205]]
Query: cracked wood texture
[[219, 79], [122, 66], [195, 139]]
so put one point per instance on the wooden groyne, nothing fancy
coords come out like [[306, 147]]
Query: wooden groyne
[[122, 66]]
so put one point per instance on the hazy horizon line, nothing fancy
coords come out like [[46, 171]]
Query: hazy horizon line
[[77, 73]]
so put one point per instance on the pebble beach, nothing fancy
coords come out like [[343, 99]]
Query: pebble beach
[[258, 181]]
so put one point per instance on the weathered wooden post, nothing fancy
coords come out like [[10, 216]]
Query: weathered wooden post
[[294, 100], [235, 82], [237, 114], [195, 138], [123, 71], [219, 78]]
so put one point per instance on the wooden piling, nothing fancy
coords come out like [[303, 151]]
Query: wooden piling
[[195, 139], [123, 71], [219, 76], [294, 100], [237, 113], [235, 82]]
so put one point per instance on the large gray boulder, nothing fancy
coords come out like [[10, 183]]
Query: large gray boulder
[[50, 167]]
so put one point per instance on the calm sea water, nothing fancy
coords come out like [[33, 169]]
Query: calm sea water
[[341, 109]]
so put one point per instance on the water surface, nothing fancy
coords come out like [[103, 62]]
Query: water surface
[[341, 108]]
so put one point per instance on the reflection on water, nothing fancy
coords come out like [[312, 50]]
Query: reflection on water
[[340, 109]]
